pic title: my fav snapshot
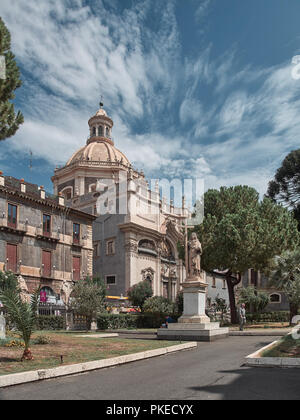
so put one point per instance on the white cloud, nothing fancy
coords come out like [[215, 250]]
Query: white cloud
[[71, 56]]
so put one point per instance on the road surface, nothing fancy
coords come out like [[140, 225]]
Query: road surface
[[212, 371]]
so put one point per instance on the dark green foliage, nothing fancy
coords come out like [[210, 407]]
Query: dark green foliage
[[115, 321], [9, 121], [286, 277], [285, 188], [280, 316], [138, 293], [8, 281], [88, 299], [240, 232], [254, 300], [126, 321], [21, 314], [49, 322], [179, 303], [158, 304]]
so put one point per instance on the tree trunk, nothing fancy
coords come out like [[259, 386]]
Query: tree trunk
[[27, 355], [231, 283]]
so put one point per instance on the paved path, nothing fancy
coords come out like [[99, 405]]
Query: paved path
[[212, 371]]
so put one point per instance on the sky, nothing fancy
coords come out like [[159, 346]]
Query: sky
[[196, 88]]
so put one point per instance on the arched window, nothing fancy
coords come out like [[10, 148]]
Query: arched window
[[94, 131], [100, 131], [47, 295], [167, 251], [107, 132], [92, 188], [275, 298], [67, 193]]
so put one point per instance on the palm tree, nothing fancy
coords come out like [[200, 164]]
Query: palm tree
[[22, 315], [286, 277]]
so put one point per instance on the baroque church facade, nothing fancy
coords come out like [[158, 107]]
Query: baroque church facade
[[136, 232]]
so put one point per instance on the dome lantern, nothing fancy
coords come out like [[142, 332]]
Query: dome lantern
[[100, 126]]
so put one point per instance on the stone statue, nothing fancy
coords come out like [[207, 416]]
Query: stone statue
[[195, 252], [24, 289], [2, 327], [66, 290]]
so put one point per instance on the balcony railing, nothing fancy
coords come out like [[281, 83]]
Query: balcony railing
[[18, 227], [48, 236]]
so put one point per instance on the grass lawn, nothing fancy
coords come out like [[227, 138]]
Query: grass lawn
[[74, 349], [286, 347]]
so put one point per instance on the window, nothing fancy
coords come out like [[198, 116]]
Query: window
[[11, 258], [76, 233], [275, 298], [94, 131], [12, 216], [97, 249], [100, 131], [46, 225], [107, 132], [110, 247], [110, 280]]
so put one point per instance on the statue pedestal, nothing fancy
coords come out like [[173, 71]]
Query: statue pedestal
[[194, 324]]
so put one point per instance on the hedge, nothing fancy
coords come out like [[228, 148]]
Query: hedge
[[130, 321], [280, 316], [50, 322]]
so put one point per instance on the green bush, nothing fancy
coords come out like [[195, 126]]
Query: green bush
[[130, 321], [41, 340], [280, 316], [116, 321], [49, 322], [11, 342], [138, 293], [158, 305]]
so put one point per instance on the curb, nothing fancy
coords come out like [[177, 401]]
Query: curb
[[254, 359], [38, 375], [257, 333]]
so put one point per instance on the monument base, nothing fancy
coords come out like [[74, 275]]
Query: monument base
[[194, 324], [210, 331]]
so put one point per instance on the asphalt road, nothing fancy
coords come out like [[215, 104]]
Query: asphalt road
[[213, 371]]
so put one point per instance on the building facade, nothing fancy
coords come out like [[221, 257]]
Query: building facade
[[136, 233], [42, 241]]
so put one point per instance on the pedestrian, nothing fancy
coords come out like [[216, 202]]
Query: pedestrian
[[242, 316]]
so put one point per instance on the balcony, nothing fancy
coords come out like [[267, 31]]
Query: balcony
[[47, 236], [17, 227]]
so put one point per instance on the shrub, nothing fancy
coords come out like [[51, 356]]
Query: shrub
[[116, 321], [88, 299], [138, 293], [42, 340], [282, 316], [49, 322], [158, 304], [179, 303], [127, 321], [9, 342], [254, 300]]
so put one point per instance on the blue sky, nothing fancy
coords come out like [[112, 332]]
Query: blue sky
[[196, 88]]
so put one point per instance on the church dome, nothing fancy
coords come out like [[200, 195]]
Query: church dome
[[100, 145], [99, 150]]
